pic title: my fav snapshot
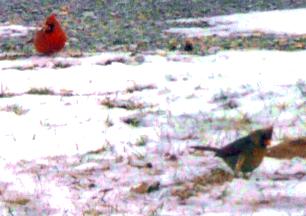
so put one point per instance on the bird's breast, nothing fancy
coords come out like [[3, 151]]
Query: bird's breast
[[50, 42], [254, 159]]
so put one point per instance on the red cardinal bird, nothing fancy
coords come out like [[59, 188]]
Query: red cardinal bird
[[51, 38]]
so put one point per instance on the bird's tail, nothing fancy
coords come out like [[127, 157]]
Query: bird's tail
[[205, 148]]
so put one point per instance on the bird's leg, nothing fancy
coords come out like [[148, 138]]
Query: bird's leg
[[246, 175], [239, 164]]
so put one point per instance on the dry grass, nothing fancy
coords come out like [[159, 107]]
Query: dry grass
[[15, 108], [40, 91], [216, 177], [124, 104]]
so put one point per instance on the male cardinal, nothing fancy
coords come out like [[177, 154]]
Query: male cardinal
[[51, 38], [246, 153]]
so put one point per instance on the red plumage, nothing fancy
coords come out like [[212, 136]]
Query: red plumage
[[51, 38]]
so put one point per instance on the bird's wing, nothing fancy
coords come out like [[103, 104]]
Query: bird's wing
[[236, 147], [240, 162]]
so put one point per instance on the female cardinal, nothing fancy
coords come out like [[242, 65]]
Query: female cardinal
[[246, 153], [51, 38]]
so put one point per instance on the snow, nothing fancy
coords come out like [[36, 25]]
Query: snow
[[14, 31], [290, 22]]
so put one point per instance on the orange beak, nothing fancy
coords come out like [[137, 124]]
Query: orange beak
[[42, 27], [267, 142]]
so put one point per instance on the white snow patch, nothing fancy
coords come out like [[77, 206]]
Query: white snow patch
[[14, 31], [56, 125], [278, 22]]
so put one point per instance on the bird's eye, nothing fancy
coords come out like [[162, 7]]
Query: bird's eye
[[50, 28]]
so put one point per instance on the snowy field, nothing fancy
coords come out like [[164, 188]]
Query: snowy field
[[111, 127], [278, 22]]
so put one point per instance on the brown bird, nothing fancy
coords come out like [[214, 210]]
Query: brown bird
[[51, 38], [246, 153]]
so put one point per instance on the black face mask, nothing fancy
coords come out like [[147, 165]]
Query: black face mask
[[50, 28]]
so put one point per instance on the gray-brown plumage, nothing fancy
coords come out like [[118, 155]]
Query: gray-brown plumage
[[246, 153]]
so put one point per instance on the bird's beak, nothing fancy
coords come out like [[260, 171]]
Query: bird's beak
[[267, 142], [44, 27]]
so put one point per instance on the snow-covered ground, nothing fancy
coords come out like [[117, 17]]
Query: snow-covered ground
[[289, 22], [134, 117], [178, 86], [14, 31]]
